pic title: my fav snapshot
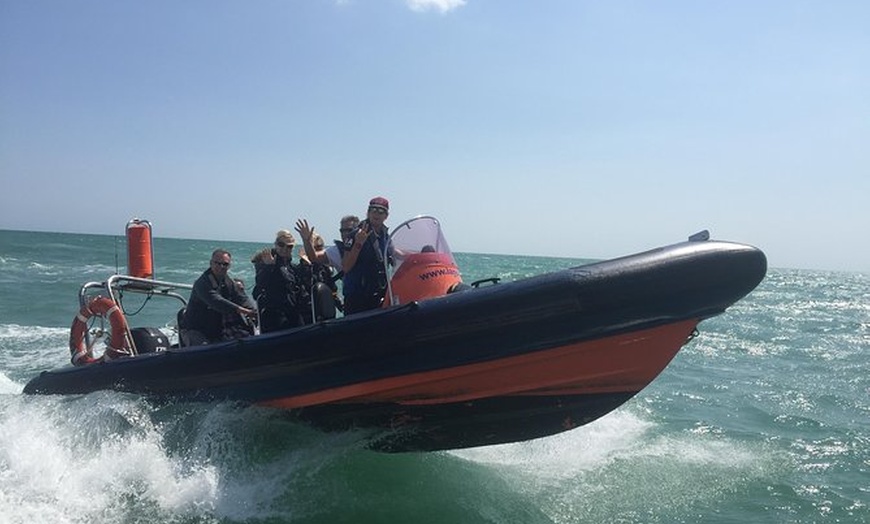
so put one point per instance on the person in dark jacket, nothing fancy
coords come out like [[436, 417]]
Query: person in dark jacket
[[365, 273], [282, 288], [215, 304]]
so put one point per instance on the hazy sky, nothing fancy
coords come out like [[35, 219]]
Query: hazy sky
[[566, 127]]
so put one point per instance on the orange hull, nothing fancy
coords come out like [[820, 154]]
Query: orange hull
[[622, 363]]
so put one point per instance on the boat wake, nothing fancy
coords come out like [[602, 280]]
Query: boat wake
[[564, 454], [109, 457], [621, 463], [113, 457]]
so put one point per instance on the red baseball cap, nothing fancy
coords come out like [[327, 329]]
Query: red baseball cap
[[380, 202]]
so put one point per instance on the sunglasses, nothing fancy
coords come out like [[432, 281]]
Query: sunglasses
[[221, 264], [378, 210], [282, 244], [345, 230]]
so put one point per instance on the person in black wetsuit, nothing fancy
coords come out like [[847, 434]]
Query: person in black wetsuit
[[364, 263], [215, 304], [282, 288]]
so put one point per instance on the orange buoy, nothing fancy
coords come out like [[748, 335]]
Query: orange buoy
[[423, 275], [140, 257]]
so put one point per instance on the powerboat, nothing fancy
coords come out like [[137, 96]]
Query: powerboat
[[444, 364]]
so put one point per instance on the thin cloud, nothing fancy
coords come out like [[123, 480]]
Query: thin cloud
[[435, 5]]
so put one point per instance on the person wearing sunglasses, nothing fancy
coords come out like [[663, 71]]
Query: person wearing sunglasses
[[216, 302], [335, 252], [282, 287], [364, 262], [328, 255]]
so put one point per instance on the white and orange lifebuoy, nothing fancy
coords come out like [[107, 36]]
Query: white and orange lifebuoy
[[118, 346]]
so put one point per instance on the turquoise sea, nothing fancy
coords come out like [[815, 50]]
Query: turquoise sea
[[765, 417]]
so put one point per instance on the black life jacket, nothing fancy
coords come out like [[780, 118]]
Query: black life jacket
[[283, 285], [369, 275]]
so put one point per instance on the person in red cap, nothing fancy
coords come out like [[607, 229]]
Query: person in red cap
[[364, 264]]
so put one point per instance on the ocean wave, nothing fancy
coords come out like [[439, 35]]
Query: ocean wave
[[15, 333], [26, 350]]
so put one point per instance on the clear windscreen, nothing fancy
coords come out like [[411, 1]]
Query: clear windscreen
[[421, 234]]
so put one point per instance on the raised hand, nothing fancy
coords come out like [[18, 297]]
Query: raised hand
[[362, 234], [305, 231]]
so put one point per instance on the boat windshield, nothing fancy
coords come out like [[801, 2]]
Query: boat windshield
[[420, 234]]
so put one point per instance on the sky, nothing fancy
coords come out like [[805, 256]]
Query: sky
[[568, 128]]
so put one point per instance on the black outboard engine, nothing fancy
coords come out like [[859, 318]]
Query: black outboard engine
[[149, 340]]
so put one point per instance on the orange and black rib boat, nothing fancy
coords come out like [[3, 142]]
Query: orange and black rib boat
[[460, 366]]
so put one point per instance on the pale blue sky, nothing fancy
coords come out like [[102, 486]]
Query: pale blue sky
[[568, 128]]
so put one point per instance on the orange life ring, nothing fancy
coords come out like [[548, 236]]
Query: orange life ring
[[80, 353]]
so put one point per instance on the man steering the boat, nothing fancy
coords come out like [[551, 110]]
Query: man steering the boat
[[214, 300]]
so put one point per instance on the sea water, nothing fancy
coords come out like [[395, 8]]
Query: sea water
[[764, 417]]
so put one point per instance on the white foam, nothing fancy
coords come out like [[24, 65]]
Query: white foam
[[691, 449], [52, 469], [29, 334], [9, 386], [32, 347], [97, 269], [626, 459], [584, 448]]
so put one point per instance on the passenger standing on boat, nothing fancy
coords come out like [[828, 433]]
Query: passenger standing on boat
[[365, 272], [282, 288], [214, 300], [329, 255], [335, 252]]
